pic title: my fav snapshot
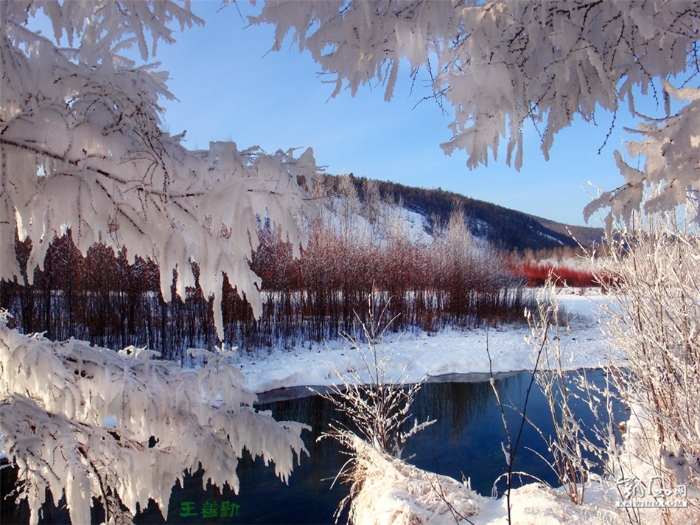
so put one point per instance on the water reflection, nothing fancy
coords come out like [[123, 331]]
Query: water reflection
[[465, 440]]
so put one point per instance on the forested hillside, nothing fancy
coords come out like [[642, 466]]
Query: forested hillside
[[506, 229]]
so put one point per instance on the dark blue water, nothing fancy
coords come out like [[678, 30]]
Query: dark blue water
[[465, 441]]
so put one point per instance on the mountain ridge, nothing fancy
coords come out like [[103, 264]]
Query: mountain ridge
[[505, 228]]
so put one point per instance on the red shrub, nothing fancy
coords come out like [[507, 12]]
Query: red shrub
[[536, 274]]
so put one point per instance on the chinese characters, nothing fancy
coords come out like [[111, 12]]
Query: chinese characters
[[209, 509], [657, 494]]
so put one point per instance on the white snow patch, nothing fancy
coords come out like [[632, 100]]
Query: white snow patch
[[451, 351]]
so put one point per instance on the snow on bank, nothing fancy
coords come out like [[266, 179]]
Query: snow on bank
[[393, 492], [447, 352], [535, 504], [390, 492]]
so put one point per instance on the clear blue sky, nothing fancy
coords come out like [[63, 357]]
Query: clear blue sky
[[229, 88]]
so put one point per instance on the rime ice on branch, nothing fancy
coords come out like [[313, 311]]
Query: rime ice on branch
[[81, 147], [500, 63], [54, 397]]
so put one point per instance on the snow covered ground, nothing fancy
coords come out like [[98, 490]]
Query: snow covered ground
[[449, 352], [446, 352], [417, 355]]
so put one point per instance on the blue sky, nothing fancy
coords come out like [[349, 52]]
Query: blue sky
[[230, 88]]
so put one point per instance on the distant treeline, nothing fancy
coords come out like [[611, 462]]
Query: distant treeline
[[357, 249]]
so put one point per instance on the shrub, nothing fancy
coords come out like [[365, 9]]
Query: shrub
[[655, 320], [536, 273]]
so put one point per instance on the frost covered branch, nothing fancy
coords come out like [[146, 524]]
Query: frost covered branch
[[501, 63], [653, 275], [669, 149], [569, 442], [81, 147], [58, 400], [378, 405]]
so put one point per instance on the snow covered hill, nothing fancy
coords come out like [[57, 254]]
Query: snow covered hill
[[506, 229]]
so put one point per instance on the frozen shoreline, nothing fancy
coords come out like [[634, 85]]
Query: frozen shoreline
[[452, 351], [284, 374]]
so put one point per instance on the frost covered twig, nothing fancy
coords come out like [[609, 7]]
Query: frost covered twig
[[377, 407], [437, 487], [377, 404], [653, 275], [510, 450], [569, 440], [57, 397]]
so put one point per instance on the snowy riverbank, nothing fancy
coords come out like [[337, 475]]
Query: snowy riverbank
[[397, 490], [458, 352], [447, 352]]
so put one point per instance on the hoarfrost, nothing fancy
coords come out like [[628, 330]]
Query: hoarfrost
[[55, 393]]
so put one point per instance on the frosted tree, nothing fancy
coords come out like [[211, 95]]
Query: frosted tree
[[501, 63], [81, 147], [80, 421]]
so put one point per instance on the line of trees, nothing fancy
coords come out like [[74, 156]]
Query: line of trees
[[357, 247]]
